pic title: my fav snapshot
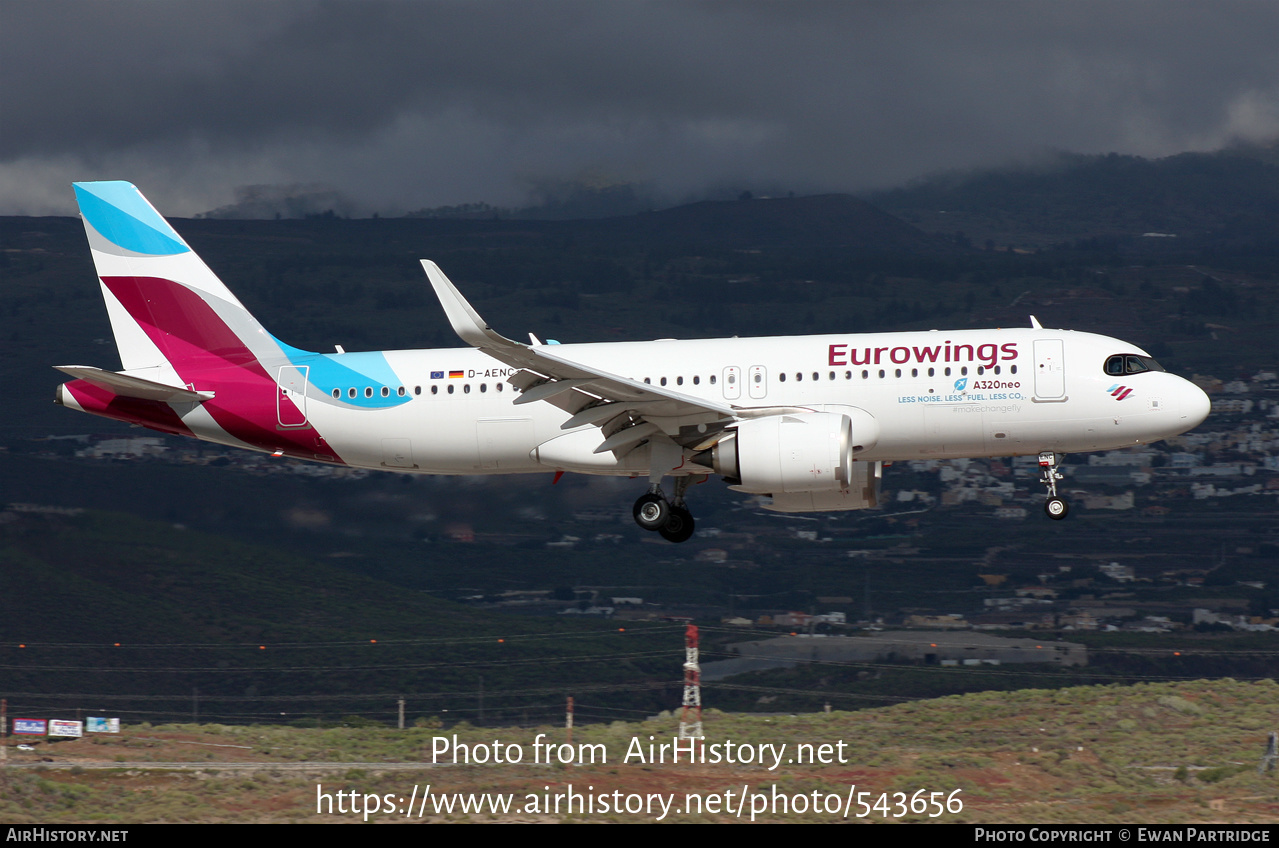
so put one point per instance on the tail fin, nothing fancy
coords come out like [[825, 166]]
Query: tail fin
[[170, 314]]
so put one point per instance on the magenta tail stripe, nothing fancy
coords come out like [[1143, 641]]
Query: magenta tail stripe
[[150, 413], [208, 354], [185, 328]]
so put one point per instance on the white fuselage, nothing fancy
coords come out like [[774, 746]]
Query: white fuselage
[[809, 420], [933, 394]]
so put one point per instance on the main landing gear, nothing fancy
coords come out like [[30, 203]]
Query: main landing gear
[[1055, 506], [671, 520]]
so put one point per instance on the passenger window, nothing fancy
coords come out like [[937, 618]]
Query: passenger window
[[435, 390], [663, 381], [981, 369], [450, 388], [679, 381], [816, 376], [832, 375], [781, 376], [931, 372], [1012, 369], [386, 391], [914, 372], [368, 391], [499, 387], [466, 389], [337, 393], [712, 379], [881, 373], [697, 381], [417, 390], [799, 376], [400, 391], [484, 387], [350, 392], [898, 372], [865, 375]]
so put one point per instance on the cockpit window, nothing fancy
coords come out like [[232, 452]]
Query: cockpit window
[[1130, 363]]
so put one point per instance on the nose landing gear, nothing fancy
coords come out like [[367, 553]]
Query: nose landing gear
[[672, 520], [1055, 506]]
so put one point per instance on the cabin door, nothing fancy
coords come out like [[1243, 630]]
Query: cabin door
[[290, 395], [1050, 369]]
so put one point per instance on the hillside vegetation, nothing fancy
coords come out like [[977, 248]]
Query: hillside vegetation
[[1157, 753]]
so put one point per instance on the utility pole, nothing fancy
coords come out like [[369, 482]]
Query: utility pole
[[690, 722], [568, 720], [400, 702], [1271, 757]]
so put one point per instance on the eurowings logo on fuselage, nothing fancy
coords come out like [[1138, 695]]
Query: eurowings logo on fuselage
[[1119, 392], [988, 355]]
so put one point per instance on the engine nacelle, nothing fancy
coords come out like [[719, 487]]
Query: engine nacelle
[[862, 494], [803, 452]]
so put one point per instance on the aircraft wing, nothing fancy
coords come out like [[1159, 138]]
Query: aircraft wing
[[627, 410]]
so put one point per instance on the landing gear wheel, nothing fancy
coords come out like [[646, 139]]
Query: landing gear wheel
[[651, 512], [679, 527], [1057, 508]]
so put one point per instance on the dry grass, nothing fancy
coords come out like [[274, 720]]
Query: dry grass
[[1159, 753]]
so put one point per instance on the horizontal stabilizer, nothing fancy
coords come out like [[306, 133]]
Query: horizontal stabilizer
[[137, 387]]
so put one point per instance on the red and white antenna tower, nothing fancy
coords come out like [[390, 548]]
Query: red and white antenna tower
[[690, 723]]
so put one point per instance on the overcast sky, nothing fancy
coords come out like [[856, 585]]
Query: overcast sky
[[401, 105]]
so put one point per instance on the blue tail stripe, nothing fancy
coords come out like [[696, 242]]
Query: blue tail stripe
[[356, 371], [120, 214]]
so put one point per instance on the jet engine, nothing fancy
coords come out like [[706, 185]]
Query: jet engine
[[801, 452]]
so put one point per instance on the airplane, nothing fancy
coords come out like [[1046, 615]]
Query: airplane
[[810, 421]]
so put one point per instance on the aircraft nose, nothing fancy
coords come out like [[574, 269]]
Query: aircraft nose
[[1194, 405]]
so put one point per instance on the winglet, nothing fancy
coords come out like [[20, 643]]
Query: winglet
[[466, 322]]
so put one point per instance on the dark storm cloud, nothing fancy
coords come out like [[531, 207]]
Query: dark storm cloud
[[412, 104]]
